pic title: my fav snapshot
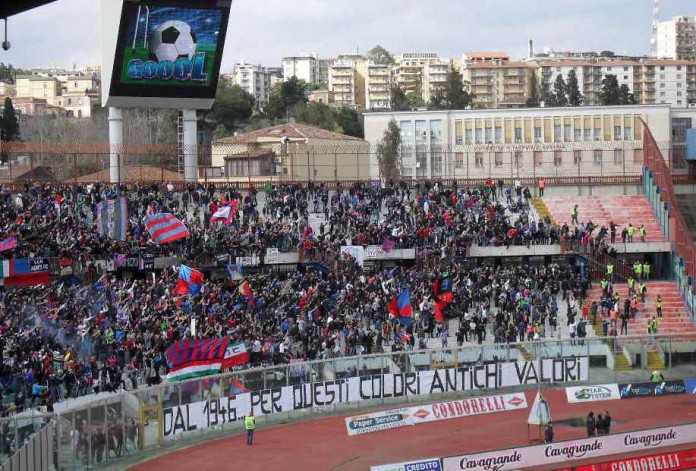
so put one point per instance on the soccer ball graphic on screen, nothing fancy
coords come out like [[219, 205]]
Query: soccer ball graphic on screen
[[172, 40]]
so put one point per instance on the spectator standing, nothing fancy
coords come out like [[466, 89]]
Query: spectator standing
[[591, 424]]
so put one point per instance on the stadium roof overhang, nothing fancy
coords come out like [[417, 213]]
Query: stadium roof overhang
[[13, 7]]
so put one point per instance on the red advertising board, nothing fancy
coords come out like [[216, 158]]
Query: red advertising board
[[675, 461]]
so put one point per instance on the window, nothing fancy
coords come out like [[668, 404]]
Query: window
[[679, 93], [625, 77], [557, 133], [679, 68], [478, 160], [518, 159], [679, 85], [469, 136], [489, 135], [577, 157], [588, 135], [479, 136], [618, 156], [498, 159], [567, 136], [678, 76], [662, 93], [459, 160], [662, 76], [662, 67], [538, 158], [558, 158], [617, 133], [578, 135], [608, 69], [598, 134], [679, 102], [662, 85], [628, 134], [518, 134], [598, 157], [625, 69], [537, 133], [498, 135]]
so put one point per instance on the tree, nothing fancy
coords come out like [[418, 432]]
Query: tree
[[573, 89], [533, 100], [607, 54], [451, 95], [625, 96], [399, 102], [559, 91], [388, 154], [609, 95], [350, 121], [233, 106], [379, 55], [319, 115], [285, 98], [10, 125]]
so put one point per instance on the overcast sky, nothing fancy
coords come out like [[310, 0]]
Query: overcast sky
[[263, 31]]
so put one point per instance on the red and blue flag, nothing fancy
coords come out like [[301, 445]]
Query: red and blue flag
[[192, 358], [190, 281], [401, 307], [165, 228]]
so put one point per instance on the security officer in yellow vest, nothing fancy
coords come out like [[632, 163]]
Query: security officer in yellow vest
[[631, 285], [646, 270], [250, 425], [659, 305], [631, 232], [642, 290], [657, 377], [642, 233], [638, 270], [610, 271]]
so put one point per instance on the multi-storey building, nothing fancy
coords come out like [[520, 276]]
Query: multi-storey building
[[498, 84], [469, 58], [343, 84], [656, 81], [378, 85], [676, 38], [37, 86], [304, 67], [434, 77], [253, 79], [530, 142], [275, 75]]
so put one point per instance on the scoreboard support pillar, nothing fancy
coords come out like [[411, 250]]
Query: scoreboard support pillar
[[116, 167], [190, 145]]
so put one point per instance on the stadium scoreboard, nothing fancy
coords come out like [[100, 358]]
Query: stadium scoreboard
[[162, 53]]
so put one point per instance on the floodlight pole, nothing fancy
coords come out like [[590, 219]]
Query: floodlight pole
[[116, 174], [190, 144]]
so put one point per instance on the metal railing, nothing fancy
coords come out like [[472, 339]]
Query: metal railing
[[92, 431], [27, 443]]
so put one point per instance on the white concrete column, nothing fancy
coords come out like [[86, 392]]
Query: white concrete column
[[190, 145], [116, 167]]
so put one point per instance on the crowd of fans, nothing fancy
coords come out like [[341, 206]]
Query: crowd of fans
[[102, 331]]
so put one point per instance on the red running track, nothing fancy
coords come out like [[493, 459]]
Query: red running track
[[323, 444]]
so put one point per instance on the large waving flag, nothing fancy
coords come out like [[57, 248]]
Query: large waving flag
[[165, 228], [226, 214], [401, 307], [8, 244], [190, 281], [193, 358], [235, 355]]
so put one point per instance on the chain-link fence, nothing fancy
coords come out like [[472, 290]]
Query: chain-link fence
[[252, 163]]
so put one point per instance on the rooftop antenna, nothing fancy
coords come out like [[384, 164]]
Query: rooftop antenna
[[655, 21]]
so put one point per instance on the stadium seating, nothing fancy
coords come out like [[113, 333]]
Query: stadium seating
[[601, 210], [674, 319]]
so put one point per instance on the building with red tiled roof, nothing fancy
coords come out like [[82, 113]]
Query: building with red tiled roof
[[292, 151]]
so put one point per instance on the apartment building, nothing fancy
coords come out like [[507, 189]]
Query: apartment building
[[676, 38], [37, 86], [655, 81], [378, 87], [469, 58], [275, 75], [254, 79], [498, 83], [530, 142], [303, 66], [7, 89], [348, 81], [435, 77]]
